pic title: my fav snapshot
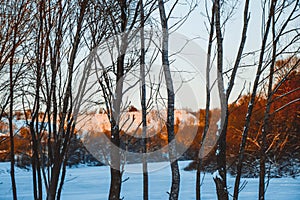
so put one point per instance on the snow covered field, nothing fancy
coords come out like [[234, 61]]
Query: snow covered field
[[93, 183]]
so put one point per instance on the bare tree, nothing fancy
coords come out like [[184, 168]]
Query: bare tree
[[113, 31], [265, 129], [13, 19], [224, 93], [55, 38], [174, 193], [220, 176], [115, 171], [207, 106], [143, 103], [122, 20]]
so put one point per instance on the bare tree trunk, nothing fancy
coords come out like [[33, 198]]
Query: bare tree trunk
[[115, 171], [207, 106], [12, 149], [116, 175], [63, 176], [174, 193], [265, 129], [244, 34], [11, 110], [143, 104]]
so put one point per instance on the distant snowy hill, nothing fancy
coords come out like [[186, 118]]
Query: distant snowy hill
[[131, 121], [94, 131]]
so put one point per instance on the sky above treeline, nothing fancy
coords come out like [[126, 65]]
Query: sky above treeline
[[194, 55]]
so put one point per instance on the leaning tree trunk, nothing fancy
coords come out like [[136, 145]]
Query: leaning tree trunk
[[171, 100]]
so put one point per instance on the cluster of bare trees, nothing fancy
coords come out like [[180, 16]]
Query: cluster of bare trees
[[40, 42], [44, 38], [51, 62], [279, 39]]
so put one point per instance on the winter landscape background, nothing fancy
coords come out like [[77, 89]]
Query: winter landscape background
[[149, 99]]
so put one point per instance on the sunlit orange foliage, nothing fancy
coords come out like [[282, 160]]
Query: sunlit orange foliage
[[286, 109]]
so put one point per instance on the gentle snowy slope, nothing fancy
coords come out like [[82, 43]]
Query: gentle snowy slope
[[93, 183]]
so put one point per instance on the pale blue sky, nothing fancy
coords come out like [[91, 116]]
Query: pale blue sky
[[194, 27], [190, 84], [190, 64]]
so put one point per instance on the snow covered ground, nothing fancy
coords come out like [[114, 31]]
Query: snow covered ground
[[93, 183]]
